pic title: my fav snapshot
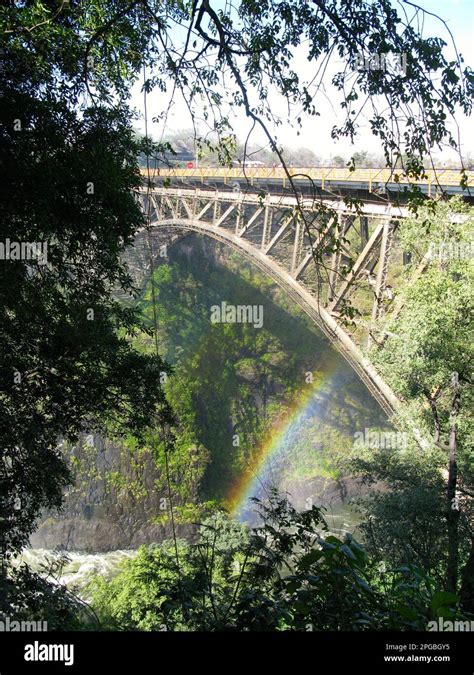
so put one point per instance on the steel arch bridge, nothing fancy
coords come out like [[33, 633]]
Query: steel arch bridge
[[282, 239]]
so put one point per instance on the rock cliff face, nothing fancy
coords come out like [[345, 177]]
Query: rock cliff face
[[115, 502], [112, 505]]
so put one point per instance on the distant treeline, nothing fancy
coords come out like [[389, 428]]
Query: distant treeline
[[182, 147]]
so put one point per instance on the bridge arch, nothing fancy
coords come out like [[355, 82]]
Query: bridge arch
[[309, 304]]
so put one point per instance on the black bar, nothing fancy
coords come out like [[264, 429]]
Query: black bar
[[328, 653]]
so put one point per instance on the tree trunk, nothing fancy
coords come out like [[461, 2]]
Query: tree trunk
[[452, 511]]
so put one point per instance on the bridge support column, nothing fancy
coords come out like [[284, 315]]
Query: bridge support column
[[364, 231], [382, 272], [298, 244], [161, 208], [335, 260], [342, 227], [385, 248], [153, 208], [238, 217], [217, 211], [267, 226]]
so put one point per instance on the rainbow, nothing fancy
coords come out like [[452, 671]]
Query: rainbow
[[278, 440]]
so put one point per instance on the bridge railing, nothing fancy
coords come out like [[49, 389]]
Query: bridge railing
[[373, 176]]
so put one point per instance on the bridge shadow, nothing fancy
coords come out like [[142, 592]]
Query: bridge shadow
[[242, 382]]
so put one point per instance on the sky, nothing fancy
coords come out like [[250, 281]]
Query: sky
[[315, 133]]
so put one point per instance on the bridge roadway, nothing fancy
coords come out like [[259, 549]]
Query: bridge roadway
[[366, 183]]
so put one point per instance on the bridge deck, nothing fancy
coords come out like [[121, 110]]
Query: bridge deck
[[448, 180]]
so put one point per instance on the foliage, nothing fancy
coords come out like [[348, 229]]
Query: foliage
[[288, 574], [68, 173], [404, 514], [28, 596], [430, 340], [256, 39], [432, 337]]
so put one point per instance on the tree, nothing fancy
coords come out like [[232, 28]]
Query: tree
[[339, 161], [360, 158], [68, 173], [41, 597], [254, 42], [301, 157], [428, 358]]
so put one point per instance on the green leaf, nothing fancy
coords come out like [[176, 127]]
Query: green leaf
[[310, 558], [301, 607], [443, 599], [347, 552]]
